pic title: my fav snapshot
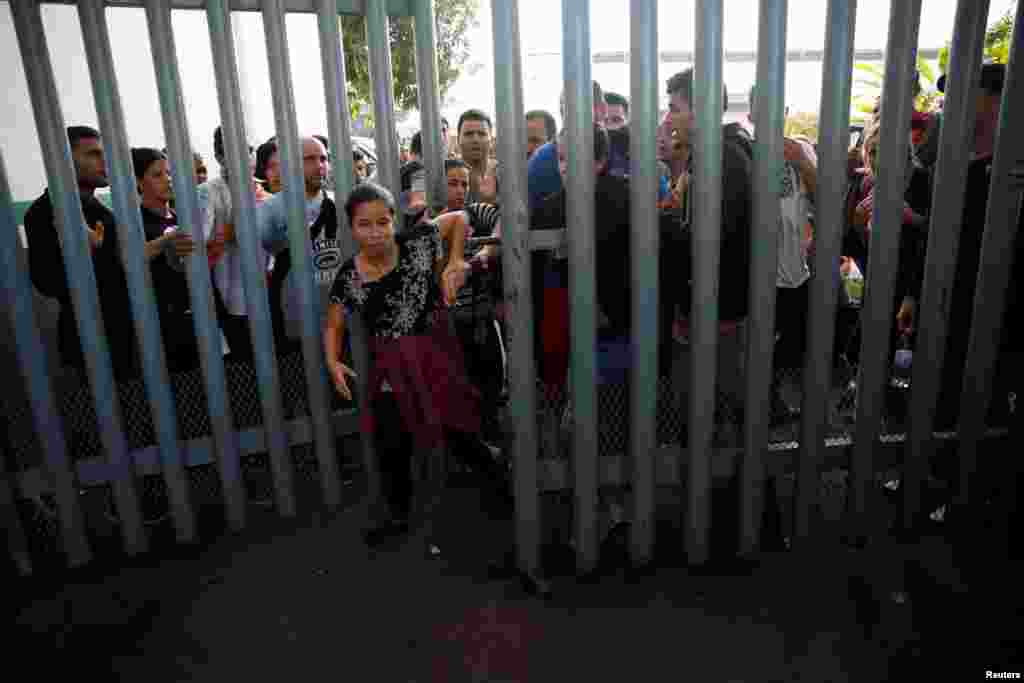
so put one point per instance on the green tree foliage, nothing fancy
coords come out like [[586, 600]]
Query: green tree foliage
[[869, 77], [997, 42], [453, 20]]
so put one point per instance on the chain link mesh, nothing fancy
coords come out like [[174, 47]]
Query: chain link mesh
[[554, 415]]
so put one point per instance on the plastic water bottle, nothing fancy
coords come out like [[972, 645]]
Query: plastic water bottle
[[853, 284], [173, 260]]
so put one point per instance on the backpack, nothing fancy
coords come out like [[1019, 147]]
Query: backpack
[[284, 314]]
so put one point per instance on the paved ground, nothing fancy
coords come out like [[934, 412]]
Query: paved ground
[[305, 599]]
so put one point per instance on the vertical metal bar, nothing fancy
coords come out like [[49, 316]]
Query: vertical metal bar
[[333, 58], [298, 241], [877, 314], [517, 285], [10, 523], [179, 149], [254, 277], [378, 38], [63, 190], [833, 143], [769, 115], [995, 265], [520, 123], [17, 302], [582, 278], [943, 241], [96, 37], [429, 102], [645, 242], [707, 104]]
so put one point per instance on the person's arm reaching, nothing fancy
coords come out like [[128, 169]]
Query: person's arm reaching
[[452, 228], [334, 335]]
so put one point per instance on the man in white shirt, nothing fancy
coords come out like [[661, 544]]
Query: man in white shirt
[[222, 247], [797, 191]]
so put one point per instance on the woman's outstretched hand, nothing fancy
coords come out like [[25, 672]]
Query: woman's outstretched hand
[[452, 279], [339, 372]]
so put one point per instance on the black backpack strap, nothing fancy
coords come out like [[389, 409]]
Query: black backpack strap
[[329, 216], [326, 222], [278, 276]]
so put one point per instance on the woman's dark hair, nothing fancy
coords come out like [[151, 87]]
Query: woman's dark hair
[[263, 154], [143, 158], [364, 193]]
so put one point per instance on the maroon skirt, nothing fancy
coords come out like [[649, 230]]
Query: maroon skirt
[[426, 374]]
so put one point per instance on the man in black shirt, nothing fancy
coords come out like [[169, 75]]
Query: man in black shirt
[[46, 264], [734, 264], [614, 272]]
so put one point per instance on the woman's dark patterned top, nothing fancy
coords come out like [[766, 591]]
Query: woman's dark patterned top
[[402, 302]]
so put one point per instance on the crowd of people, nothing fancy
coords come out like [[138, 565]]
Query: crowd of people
[[432, 301]]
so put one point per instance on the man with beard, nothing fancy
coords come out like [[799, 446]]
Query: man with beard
[[321, 219], [46, 264], [475, 137]]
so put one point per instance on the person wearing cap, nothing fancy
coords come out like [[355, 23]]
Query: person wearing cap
[[988, 97]]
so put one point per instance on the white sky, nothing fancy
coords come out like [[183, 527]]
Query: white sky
[[541, 35], [542, 66]]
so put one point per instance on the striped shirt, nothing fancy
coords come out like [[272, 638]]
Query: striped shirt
[[478, 294]]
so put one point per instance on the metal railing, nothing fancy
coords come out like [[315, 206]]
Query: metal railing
[[696, 463]]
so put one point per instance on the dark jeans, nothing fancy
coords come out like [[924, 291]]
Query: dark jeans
[[481, 348], [791, 325], [236, 331], [180, 343], [394, 444]]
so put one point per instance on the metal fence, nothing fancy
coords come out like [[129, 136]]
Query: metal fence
[[618, 435]]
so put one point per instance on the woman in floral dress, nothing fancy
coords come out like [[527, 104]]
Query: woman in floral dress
[[418, 391]]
